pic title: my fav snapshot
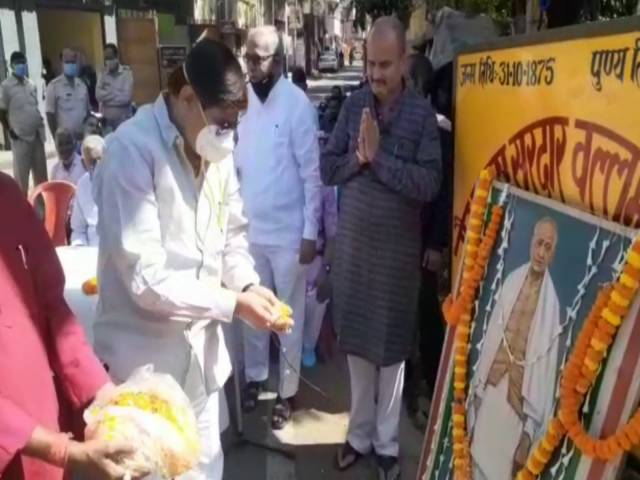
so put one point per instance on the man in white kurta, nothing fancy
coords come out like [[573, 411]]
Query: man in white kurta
[[277, 158], [512, 391], [174, 263]]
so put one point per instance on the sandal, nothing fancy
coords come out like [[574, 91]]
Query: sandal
[[282, 412], [388, 468], [347, 457], [250, 396]]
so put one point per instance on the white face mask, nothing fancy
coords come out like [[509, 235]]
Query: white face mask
[[214, 144]]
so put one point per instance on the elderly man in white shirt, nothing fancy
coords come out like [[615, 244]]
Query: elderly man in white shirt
[[69, 167], [277, 158], [174, 263], [84, 216]]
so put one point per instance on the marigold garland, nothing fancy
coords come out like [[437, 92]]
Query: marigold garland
[[584, 364], [458, 312], [581, 370]]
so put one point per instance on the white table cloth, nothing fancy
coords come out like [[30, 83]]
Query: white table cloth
[[79, 265]]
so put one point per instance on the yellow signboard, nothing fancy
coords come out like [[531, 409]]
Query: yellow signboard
[[560, 119]]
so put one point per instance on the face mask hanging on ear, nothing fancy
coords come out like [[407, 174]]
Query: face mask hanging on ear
[[213, 143]]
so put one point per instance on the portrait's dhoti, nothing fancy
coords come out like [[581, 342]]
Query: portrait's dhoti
[[496, 435]]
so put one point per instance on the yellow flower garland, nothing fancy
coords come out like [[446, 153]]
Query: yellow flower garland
[[594, 341]]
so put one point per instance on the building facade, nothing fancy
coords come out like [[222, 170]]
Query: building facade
[[148, 32]]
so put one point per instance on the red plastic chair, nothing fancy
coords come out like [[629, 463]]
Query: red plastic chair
[[57, 197]]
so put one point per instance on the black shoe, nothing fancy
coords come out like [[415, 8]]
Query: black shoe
[[282, 413], [388, 468], [250, 396]]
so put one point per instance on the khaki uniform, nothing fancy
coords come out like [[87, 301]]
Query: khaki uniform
[[114, 91], [68, 102], [20, 99]]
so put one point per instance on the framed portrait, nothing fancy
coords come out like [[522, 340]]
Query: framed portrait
[[543, 276]]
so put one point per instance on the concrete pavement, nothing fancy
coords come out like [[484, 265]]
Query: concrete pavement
[[318, 428]]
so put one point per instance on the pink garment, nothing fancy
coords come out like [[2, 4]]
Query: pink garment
[[39, 338]]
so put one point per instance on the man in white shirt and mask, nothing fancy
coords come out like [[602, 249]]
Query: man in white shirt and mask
[[84, 215], [277, 158], [174, 261], [512, 391]]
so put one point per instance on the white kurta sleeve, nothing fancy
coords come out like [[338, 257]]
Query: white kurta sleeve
[[237, 264], [306, 150], [128, 207]]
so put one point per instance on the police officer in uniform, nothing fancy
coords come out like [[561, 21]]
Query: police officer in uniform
[[115, 88], [20, 116], [67, 98]]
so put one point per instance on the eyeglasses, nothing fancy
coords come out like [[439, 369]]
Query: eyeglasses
[[255, 59]]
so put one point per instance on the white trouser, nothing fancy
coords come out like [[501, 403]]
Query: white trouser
[[314, 315], [211, 463], [496, 434], [375, 424], [280, 270]]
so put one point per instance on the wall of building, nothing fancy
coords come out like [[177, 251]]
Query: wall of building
[[170, 33], [77, 29], [10, 39], [418, 27]]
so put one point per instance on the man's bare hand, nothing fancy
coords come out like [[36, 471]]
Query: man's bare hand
[[99, 460], [361, 152], [360, 155], [257, 308], [265, 294], [371, 134], [308, 251]]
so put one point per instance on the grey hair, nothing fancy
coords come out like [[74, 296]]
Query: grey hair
[[389, 24], [93, 146], [268, 37]]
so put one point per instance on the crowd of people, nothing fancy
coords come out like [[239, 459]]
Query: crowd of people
[[206, 218]]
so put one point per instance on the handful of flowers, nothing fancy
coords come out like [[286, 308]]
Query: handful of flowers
[[284, 322], [151, 411]]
